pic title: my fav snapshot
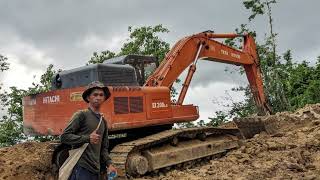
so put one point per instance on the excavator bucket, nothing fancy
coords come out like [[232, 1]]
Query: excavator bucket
[[251, 126]]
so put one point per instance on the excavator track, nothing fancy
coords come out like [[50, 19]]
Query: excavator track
[[171, 147]]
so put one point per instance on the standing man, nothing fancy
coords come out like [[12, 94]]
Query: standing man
[[81, 129]]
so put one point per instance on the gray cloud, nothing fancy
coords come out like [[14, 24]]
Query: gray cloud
[[54, 27], [36, 33]]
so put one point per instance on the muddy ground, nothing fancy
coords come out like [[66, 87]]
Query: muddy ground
[[293, 152], [25, 161]]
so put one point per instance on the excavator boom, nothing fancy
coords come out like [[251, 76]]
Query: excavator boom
[[186, 52], [161, 150]]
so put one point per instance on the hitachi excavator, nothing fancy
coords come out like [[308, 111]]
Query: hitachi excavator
[[140, 113]]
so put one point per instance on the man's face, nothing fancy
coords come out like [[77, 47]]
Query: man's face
[[96, 98]]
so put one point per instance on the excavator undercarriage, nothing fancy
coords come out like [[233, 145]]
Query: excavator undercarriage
[[173, 148]]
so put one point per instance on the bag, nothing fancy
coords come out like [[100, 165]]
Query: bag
[[74, 156]]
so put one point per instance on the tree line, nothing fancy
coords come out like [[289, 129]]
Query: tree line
[[289, 83]]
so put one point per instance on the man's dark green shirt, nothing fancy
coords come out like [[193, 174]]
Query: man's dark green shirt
[[78, 131]]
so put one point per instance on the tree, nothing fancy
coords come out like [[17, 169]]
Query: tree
[[301, 82], [146, 41], [185, 125], [272, 67], [272, 70], [99, 58], [221, 117], [143, 40], [11, 125], [4, 65], [201, 123], [288, 84]]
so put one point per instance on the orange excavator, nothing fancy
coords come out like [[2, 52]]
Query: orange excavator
[[140, 113]]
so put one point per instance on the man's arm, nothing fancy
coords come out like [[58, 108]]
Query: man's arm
[[69, 135]]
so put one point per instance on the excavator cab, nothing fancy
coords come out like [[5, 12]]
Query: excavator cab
[[143, 65], [128, 70]]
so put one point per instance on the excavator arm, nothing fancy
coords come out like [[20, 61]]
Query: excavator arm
[[189, 50]]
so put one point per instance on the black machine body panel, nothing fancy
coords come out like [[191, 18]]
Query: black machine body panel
[[119, 71]]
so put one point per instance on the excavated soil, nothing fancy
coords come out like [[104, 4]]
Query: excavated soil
[[293, 152], [26, 161]]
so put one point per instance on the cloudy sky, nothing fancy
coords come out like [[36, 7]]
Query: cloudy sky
[[36, 33]]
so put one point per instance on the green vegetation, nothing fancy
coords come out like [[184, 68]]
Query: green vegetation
[[289, 83], [11, 127], [143, 40]]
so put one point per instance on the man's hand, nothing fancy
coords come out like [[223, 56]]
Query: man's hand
[[94, 138], [112, 168]]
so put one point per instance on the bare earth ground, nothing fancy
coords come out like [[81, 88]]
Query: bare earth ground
[[26, 161], [292, 153]]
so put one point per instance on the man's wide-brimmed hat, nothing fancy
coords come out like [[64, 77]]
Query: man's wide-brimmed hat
[[95, 85]]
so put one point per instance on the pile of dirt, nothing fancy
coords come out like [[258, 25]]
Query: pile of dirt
[[293, 152], [29, 160]]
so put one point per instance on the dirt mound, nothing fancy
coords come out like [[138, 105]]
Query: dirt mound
[[291, 153], [29, 160]]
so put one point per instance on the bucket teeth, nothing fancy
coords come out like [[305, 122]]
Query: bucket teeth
[[251, 126]]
